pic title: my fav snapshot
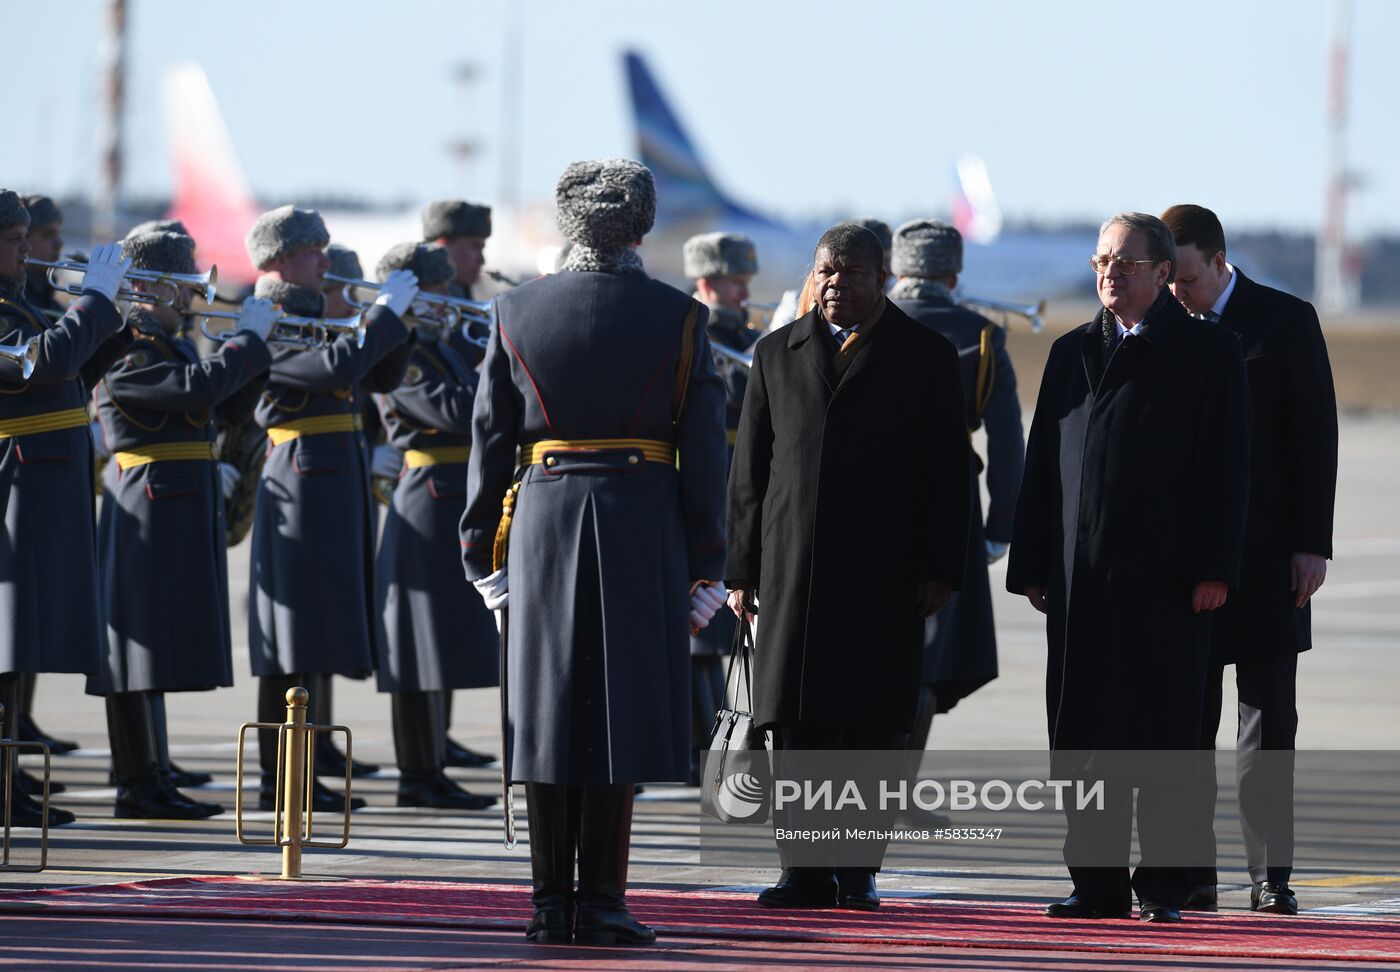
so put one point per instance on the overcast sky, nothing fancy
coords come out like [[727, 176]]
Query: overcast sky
[[803, 107]]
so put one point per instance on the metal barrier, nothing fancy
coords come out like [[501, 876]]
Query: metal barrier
[[294, 799], [9, 747]]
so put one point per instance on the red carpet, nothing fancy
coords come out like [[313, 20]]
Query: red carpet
[[725, 915]]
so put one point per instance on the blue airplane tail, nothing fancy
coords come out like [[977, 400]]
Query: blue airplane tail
[[684, 190]]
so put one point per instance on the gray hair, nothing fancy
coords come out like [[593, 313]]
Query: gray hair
[[1160, 243], [853, 241]]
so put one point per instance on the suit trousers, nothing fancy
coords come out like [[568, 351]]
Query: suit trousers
[[1268, 721]]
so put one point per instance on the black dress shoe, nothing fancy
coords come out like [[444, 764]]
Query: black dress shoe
[[1273, 899], [31, 785], [610, 926], [152, 801], [323, 799], [331, 762], [28, 812], [855, 890], [435, 790], [801, 887], [552, 925], [1159, 913], [184, 779], [1202, 898], [463, 758], [1076, 907], [29, 731]]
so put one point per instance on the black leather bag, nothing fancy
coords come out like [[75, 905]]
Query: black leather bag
[[736, 781]]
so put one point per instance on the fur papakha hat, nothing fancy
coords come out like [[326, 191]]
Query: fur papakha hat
[[345, 262], [927, 248], [158, 226], [283, 230], [428, 261], [719, 255], [446, 218], [42, 210], [605, 204], [12, 211], [163, 252], [877, 226]]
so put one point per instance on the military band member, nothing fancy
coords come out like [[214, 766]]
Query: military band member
[[960, 647], [721, 264], [310, 594], [435, 634], [882, 232], [608, 535], [162, 542], [50, 617]]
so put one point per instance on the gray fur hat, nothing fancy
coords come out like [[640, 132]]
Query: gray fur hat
[[428, 261], [345, 262], [927, 248], [446, 218], [877, 226], [12, 211], [291, 298], [283, 230], [605, 204], [157, 226], [165, 252], [42, 210], [719, 255]]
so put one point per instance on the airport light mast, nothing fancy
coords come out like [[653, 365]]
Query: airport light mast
[[112, 57], [1337, 282]]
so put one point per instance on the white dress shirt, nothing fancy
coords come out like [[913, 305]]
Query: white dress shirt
[[1218, 308]]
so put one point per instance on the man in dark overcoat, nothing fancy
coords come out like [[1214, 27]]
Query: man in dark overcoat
[[721, 265], [311, 596], [50, 615], [848, 520], [601, 379], [960, 643], [1288, 539], [162, 541], [1129, 526], [435, 634]]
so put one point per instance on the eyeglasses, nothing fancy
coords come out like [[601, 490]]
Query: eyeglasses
[[1101, 263]]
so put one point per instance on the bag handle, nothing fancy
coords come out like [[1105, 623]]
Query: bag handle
[[743, 649]]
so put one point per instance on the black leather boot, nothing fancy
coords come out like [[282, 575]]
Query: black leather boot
[[272, 707], [419, 743], [330, 761], [141, 794], [169, 772], [458, 755], [28, 730], [553, 813], [25, 811], [605, 839]]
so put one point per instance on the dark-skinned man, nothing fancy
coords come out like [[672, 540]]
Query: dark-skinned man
[[311, 596], [848, 522], [1288, 539], [1129, 527], [50, 613]]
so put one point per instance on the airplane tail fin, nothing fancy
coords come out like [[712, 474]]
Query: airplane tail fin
[[684, 189], [211, 194], [975, 210]]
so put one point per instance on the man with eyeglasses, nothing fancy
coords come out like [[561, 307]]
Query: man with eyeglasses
[[1130, 526], [1288, 539]]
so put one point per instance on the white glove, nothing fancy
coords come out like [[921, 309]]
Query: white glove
[[996, 551], [105, 270], [257, 315], [99, 442], [492, 589], [397, 291], [707, 599], [385, 462], [228, 472]]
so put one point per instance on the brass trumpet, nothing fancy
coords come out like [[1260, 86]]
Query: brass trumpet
[[442, 310], [24, 355], [202, 283], [1031, 312], [730, 356], [291, 331]]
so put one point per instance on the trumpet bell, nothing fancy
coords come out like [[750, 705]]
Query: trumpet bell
[[25, 355]]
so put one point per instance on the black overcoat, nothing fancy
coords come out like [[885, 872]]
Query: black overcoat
[[1293, 472], [1135, 489], [843, 496]]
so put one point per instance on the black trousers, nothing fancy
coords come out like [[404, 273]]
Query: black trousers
[[833, 736], [1268, 721]]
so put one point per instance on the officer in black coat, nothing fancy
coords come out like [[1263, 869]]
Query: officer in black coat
[[960, 646], [1140, 443], [1288, 540], [721, 264]]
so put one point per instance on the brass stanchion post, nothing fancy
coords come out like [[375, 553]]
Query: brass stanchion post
[[294, 792], [8, 748]]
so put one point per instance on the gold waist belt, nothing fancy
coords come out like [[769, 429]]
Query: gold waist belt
[[163, 452], [69, 418], [414, 458], [652, 450], [319, 425]]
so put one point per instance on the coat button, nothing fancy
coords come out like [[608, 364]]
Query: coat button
[[551, 461], [633, 460]]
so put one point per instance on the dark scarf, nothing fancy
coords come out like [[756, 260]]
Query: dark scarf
[[1108, 324], [13, 290]]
